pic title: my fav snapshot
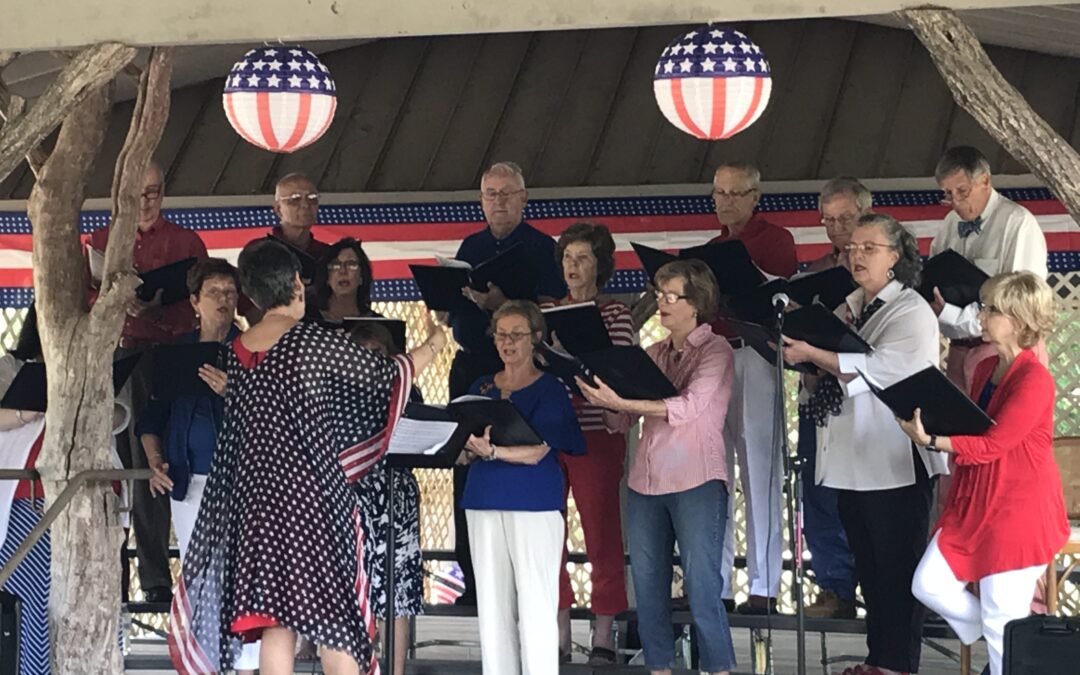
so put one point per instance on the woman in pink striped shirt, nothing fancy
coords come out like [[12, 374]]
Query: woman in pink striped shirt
[[678, 481], [586, 255]]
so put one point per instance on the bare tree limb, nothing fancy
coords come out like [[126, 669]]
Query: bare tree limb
[[147, 123], [12, 107], [90, 70], [981, 90]]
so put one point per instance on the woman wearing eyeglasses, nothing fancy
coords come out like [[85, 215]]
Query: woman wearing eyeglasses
[[678, 481], [1004, 518], [884, 483], [513, 502], [342, 286]]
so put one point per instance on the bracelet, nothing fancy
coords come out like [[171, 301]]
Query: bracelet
[[18, 416], [932, 445], [434, 352], [494, 449]]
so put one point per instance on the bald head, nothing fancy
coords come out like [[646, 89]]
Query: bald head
[[153, 190], [296, 203]]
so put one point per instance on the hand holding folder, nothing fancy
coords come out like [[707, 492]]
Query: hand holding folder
[[946, 411], [170, 280], [175, 371], [956, 277], [440, 285], [579, 328], [628, 370]]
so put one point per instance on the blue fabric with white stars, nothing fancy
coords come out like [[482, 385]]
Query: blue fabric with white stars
[[711, 51]]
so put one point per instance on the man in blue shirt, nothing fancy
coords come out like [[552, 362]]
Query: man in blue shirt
[[503, 197]]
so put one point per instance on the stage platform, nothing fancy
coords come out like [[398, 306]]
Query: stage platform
[[151, 656]]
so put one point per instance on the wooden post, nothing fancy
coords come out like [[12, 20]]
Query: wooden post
[[78, 345], [996, 105]]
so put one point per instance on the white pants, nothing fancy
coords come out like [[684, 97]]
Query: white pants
[[748, 435], [184, 514], [516, 555], [1002, 598]]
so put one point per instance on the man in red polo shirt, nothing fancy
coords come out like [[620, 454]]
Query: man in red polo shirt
[[748, 430], [157, 243], [296, 203]]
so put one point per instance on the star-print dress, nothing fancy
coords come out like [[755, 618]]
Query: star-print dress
[[278, 540]]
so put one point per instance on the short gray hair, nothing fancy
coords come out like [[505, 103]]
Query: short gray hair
[[505, 169], [526, 309], [846, 185], [961, 158], [752, 173], [908, 269]]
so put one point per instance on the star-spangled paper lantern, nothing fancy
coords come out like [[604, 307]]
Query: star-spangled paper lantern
[[712, 82], [280, 98]]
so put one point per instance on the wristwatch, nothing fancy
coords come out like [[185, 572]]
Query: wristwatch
[[932, 445], [491, 457]]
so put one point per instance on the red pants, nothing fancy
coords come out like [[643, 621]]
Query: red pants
[[595, 478]]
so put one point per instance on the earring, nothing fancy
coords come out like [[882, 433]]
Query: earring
[[891, 274]]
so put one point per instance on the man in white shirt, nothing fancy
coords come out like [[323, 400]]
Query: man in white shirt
[[993, 232]]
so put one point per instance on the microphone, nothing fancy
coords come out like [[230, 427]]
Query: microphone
[[780, 301]]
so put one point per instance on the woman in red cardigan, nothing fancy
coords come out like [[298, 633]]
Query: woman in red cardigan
[[1004, 519]]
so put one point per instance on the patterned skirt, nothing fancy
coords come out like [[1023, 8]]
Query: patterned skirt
[[408, 563], [30, 583]]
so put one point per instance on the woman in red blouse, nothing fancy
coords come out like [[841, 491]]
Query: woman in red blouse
[[1004, 518]]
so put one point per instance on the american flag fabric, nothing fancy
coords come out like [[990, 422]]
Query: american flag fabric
[[396, 235], [280, 98], [712, 82], [447, 585]]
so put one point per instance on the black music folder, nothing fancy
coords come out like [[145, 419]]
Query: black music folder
[[395, 327], [421, 439], [508, 427], [170, 279], [440, 285], [946, 411], [823, 329], [829, 287], [628, 370], [308, 264], [175, 370], [29, 389], [958, 279], [730, 262], [579, 328], [761, 339]]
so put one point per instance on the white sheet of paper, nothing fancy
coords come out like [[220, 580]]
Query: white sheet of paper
[[419, 437], [97, 264], [452, 262]]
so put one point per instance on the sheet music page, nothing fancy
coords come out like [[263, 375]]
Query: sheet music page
[[420, 437], [452, 262]]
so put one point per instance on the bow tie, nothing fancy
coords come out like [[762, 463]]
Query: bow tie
[[968, 227]]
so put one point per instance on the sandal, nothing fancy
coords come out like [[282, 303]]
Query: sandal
[[602, 656]]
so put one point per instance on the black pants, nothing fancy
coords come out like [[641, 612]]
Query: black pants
[[887, 530], [466, 369], [149, 515]]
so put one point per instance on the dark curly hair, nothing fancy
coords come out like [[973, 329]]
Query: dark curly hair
[[908, 269], [599, 239], [207, 268], [321, 286]]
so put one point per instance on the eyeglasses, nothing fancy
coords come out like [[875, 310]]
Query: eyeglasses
[[670, 297], [867, 248], [961, 194], [152, 193], [720, 194], [989, 309], [845, 220], [221, 294], [493, 195], [338, 265], [297, 198], [512, 338]]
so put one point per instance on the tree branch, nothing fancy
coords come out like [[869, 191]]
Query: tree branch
[[981, 90], [54, 209], [147, 123], [90, 70]]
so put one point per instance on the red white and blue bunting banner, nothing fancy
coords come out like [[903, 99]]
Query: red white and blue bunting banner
[[395, 235]]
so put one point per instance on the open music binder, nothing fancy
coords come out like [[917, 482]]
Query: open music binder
[[946, 411], [956, 277], [175, 371], [170, 279], [628, 370], [579, 328], [440, 285]]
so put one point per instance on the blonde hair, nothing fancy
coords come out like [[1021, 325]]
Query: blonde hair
[[1025, 298], [699, 286]]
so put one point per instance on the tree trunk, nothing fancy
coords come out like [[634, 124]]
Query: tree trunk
[[89, 71], [1000, 109], [78, 345]]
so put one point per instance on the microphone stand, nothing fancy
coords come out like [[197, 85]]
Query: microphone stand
[[794, 466]]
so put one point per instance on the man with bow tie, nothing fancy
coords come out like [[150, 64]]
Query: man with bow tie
[[993, 232]]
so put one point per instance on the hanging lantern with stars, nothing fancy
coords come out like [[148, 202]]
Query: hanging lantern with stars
[[712, 82], [280, 98]]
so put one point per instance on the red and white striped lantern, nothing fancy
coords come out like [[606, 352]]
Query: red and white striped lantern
[[280, 98], [712, 82]]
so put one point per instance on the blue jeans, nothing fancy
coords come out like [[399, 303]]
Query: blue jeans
[[696, 519], [834, 566]]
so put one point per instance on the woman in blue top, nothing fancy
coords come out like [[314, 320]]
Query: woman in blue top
[[513, 502], [180, 436]]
